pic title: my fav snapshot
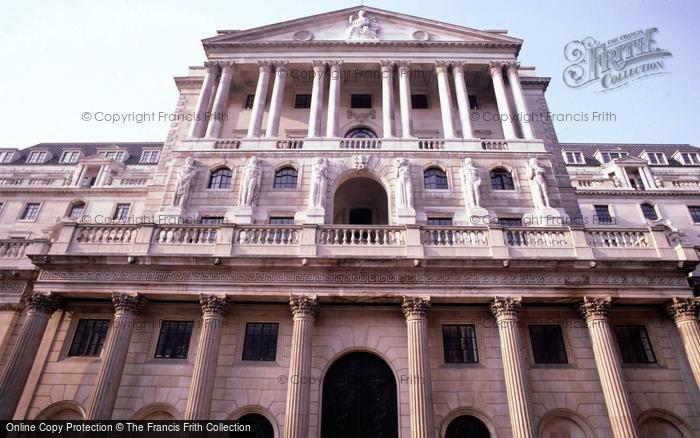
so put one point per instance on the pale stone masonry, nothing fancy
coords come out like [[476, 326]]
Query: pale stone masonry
[[350, 230]]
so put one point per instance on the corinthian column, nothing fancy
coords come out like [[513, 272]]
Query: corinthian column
[[39, 310], [273, 119], [387, 68], [416, 311], [256, 113], [595, 312], [405, 97], [462, 100], [127, 307], [316, 98], [684, 312], [519, 99], [199, 124], [441, 69], [333, 99], [202, 387], [495, 68], [304, 312], [506, 312], [221, 100]]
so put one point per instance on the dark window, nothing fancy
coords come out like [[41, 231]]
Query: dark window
[[31, 211], [459, 343], [76, 211], [649, 212], [361, 133], [121, 213], [212, 220], [440, 221], [547, 344], [360, 216], [260, 425], [435, 179], [302, 101], [220, 178], [286, 178], [510, 221], [260, 341], [473, 102], [174, 339], [634, 343], [419, 101], [89, 337], [694, 213], [501, 180], [249, 100], [281, 220], [361, 101], [602, 214]]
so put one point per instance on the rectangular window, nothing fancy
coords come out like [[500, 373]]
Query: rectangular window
[[302, 101], [547, 344], [174, 339], [473, 102], [440, 221], [5, 156], [30, 212], [260, 342], [690, 159], [602, 214], [212, 220], [609, 156], [361, 101], [634, 343], [694, 213], [657, 158], [89, 337], [36, 157], [419, 101], [574, 157], [113, 155], [122, 212], [150, 157], [281, 220], [70, 157], [459, 343], [249, 100]]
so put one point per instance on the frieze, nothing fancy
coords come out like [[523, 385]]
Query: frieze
[[11, 288]]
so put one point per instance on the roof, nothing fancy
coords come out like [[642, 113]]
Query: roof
[[56, 149], [633, 149]]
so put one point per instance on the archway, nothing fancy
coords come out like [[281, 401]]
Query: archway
[[361, 132], [261, 426], [467, 426], [359, 398], [360, 201], [63, 410]]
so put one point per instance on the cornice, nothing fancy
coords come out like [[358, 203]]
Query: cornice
[[637, 193], [365, 43]]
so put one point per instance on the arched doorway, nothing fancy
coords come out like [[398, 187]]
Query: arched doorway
[[359, 399], [360, 201], [467, 426], [259, 425]]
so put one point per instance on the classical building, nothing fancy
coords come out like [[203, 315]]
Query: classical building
[[352, 230]]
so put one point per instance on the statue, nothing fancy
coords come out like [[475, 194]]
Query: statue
[[250, 183], [362, 26], [538, 186], [317, 192], [616, 181], [470, 184], [658, 182], [185, 179], [403, 187]]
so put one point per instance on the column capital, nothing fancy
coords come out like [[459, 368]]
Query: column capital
[[458, 65], [387, 64], [213, 305], [43, 303], [594, 308], [403, 64], [227, 66], [442, 66], [280, 65], [128, 303], [415, 307], [335, 63], [496, 68], [303, 305], [505, 307], [319, 64], [683, 309], [512, 66], [212, 67], [264, 66]]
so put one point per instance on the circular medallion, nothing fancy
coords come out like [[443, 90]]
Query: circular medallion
[[421, 35], [303, 35]]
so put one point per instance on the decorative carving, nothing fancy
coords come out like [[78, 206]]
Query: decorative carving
[[420, 35], [387, 65], [317, 192], [212, 67], [683, 308], [362, 27], [213, 305], [658, 182], [250, 183], [415, 307], [281, 65], [303, 35], [403, 187], [512, 67], [441, 66], [359, 162], [185, 179], [362, 117], [538, 185], [616, 181], [304, 305], [128, 303], [319, 65], [505, 307], [594, 308], [227, 66], [495, 68], [470, 184], [43, 303]]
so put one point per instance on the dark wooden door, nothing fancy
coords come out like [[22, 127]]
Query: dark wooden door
[[360, 216], [467, 426], [359, 399]]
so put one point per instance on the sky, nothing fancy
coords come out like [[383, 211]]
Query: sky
[[63, 58]]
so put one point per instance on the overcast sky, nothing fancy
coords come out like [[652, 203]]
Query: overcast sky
[[62, 58]]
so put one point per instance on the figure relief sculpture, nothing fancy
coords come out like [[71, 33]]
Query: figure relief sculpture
[[471, 182], [362, 27], [403, 186], [250, 183], [185, 180], [317, 192], [538, 185]]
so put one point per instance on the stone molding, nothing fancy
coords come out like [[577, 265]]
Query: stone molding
[[505, 307], [415, 307], [304, 305], [213, 305], [594, 308], [43, 303], [128, 303]]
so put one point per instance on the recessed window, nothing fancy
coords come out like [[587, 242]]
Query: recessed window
[[220, 178], [657, 158], [36, 157], [174, 339], [260, 342], [694, 213], [70, 157], [690, 158], [439, 221], [150, 157], [76, 210], [302, 101], [89, 337], [249, 101], [212, 220], [286, 178], [609, 156], [30, 212], [419, 101], [6, 156], [501, 180], [635, 346], [649, 212], [361, 101], [574, 157], [281, 220], [121, 213], [473, 102], [547, 344], [435, 179], [459, 343], [602, 214]]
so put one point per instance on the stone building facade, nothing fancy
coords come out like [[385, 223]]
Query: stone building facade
[[349, 231]]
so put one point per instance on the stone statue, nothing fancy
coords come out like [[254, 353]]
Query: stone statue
[[470, 184], [185, 179], [403, 188], [538, 186], [616, 181], [362, 27], [250, 183], [658, 182], [317, 192]]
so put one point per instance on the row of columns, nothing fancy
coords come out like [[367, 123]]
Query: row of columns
[[304, 311], [222, 72]]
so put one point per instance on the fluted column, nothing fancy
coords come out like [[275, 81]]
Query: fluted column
[[387, 69], [416, 312], [104, 395], [221, 100], [595, 312], [462, 100], [333, 98], [256, 113], [304, 312], [519, 99], [405, 97], [506, 312], [273, 120], [199, 124], [684, 312], [204, 374], [443, 80], [496, 70], [316, 98], [14, 377]]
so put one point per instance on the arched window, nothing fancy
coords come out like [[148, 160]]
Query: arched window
[[259, 424], [286, 178], [220, 178], [435, 179], [76, 210], [501, 179], [649, 212], [361, 133], [467, 425]]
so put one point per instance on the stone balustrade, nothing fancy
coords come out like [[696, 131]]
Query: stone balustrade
[[523, 237], [269, 235], [13, 249], [632, 239], [106, 234], [454, 237], [188, 235], [360, 143], [14, 252], [431, 145], [358, 235]]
